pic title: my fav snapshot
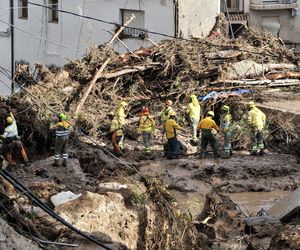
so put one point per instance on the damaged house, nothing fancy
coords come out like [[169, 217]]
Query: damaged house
[[279, 17], [37, 31]]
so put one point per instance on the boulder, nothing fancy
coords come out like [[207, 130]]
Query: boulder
[[10, 239], [63, 197], [95, 213]]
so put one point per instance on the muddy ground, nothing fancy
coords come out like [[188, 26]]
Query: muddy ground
[[198, 187], [139, 202]]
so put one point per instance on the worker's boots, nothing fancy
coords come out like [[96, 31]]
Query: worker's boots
[[55, 163], [65, 163]]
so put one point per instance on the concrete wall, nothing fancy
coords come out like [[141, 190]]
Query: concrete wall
[[5, 46], [289, 26], [246, 6], [197, 17], [78, 34]]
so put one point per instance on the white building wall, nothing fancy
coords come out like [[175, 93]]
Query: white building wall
[[5, 46], [197, 17], [281, 22], [78, 34]]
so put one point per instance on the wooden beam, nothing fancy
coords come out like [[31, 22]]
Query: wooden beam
[[91, 85]]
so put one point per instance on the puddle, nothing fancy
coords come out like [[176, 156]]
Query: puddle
[[252, 202]]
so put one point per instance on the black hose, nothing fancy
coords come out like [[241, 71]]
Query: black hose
[[24, 190]]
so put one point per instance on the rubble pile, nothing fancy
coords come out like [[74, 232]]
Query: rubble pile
[[171, 70], [87, 89]]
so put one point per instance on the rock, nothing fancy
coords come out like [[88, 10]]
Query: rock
[[10, 239], [262, 226], [63, 197], [287, 208], [288, 238], [107, 213], [112, 185], [45, 189]]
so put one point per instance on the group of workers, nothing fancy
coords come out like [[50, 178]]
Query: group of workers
[[14, 152], [207, 127], [203, 132]]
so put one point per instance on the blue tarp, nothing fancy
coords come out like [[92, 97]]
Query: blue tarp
[[216, 95]]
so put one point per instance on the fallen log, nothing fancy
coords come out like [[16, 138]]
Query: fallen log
[[281, 75], [91, 85], [137, 68]]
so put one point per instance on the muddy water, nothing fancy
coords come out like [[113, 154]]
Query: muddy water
[[251, 202], [189, 180]]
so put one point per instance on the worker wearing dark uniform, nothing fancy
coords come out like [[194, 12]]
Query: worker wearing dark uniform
[[62, 131], [208, 126]]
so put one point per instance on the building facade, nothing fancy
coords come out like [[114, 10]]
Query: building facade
[[279, 17], [32, 33], [236, 12]]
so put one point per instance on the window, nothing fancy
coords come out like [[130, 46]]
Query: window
[[53, 12], [23, 9], [137, 22], [233, 5]]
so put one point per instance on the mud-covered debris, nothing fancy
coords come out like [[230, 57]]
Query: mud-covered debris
[[288, 208], [288, 238]]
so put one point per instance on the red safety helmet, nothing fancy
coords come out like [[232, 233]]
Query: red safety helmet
[[145, 110]]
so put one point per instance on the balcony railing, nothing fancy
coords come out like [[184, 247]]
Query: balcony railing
[[273, 4]]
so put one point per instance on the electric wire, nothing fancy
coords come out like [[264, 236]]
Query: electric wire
[[24, 190], [103, 21], [145, 30], [38, 37]]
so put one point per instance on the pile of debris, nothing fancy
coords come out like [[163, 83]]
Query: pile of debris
[[90, 87]]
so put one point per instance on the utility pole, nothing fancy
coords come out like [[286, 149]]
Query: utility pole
[[12, 44]]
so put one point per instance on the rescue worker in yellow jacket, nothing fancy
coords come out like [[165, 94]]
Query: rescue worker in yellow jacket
[[12, 142], [226, 130], [164, 114], [146, 126], [62, 131], [257, 122], [193, 110], [120, 113], [120, 116], [207, 125], [117, 134], [173, 146]]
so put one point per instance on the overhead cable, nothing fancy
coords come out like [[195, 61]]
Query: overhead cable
[[38, 37]]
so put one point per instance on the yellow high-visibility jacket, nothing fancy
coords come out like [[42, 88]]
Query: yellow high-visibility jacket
[[62, 128], [208, 123], [171, 126], [147, 123], [121, 115], [193, 109], [225, 122], [117, 127], [164, 114], [256, 119]]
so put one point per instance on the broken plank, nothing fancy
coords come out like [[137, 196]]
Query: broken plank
[[125, 71]]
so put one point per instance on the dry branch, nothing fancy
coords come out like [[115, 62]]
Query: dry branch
[[120, 30], [91, 85]]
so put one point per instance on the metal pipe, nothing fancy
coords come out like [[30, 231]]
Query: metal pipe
[[55, 243]]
